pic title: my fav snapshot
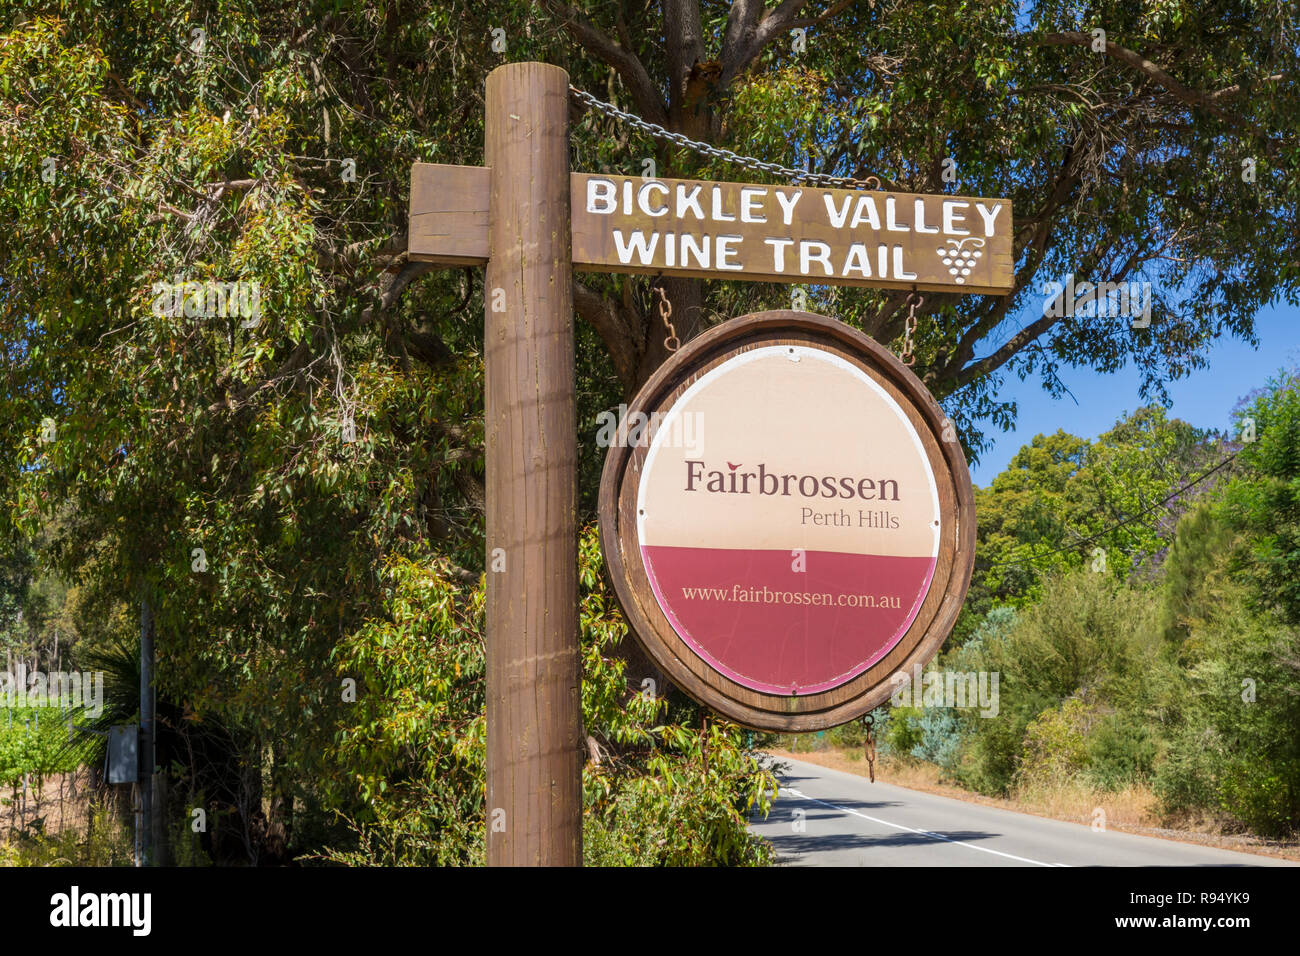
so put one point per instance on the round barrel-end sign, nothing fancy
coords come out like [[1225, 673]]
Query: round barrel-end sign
[[788, 520]]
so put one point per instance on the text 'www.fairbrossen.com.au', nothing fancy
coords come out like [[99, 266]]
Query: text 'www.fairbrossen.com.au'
[[739, 594]]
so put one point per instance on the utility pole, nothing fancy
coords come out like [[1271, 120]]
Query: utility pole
[[145, 839], [534, 715]]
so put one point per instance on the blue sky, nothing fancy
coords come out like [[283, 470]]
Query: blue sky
[[1204, 398]]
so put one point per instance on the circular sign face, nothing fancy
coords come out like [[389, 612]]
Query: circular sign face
[[785, 524]]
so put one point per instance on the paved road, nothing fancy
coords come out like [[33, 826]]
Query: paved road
[[829, 818]]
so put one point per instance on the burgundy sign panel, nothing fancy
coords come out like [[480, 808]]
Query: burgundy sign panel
[[791, 540]]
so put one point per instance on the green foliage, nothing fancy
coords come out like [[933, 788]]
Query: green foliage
[[411, 748], [1265, 504], [1197, 582], [1087, 633], [939, 730], [1233, 749], [1183, 680], [1024, 513], [1187, 779], [658, 790], [995, 625], [901, 735], [34, 743], [853, 735], [1044, 512], [1122, 749], [1089, 637], [1055, 745]]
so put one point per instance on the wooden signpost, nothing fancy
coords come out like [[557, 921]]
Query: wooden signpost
[[532, 222]]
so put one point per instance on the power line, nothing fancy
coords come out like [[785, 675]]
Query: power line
[[1127, 521]]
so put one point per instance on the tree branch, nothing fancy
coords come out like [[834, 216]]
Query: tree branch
[[1035, 329], [623, 60], [1238, 87], [752, 34], [1187, 95], [612, 325], [393, 284], [742, 28], [999, 358], [350, 256], [821, 17]]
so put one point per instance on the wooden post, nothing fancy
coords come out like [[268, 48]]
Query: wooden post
[[534, 716]]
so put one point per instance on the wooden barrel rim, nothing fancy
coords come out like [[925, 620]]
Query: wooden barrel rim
[[626, 571]]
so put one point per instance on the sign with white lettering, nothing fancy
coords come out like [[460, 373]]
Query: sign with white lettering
[[791, 234], [788, 520], [738, 231]]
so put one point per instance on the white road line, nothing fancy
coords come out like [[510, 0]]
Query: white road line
[[933, 836]]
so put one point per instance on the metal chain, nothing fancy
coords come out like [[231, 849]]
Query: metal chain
[[909, 326], [869, 745], [717, 152], [671, 342]]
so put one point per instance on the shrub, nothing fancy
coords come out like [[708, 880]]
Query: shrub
[[1265, 502], [1121, 750], [902, 734], [940, 733], [1233, 749], [1088, 636], [1186, 780], [1056, 744]]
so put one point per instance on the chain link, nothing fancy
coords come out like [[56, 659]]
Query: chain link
[[671, 342], [717, 152], [869, 745], [909, 326]]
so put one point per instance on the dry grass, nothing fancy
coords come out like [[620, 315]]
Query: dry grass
[[1132, 809], [61, 803], [65, 823]]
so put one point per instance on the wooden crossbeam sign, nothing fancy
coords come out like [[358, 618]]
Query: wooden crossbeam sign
[[700, 230], [532, 221]]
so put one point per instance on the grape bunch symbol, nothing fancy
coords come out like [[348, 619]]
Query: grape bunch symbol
[[959, 259]]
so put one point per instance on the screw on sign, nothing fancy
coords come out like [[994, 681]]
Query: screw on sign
[[818, 441]]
